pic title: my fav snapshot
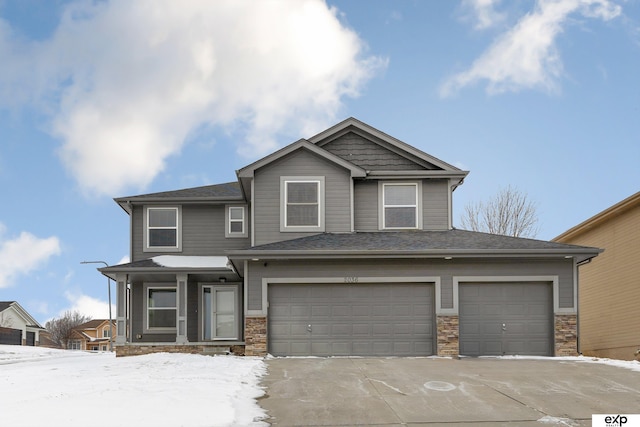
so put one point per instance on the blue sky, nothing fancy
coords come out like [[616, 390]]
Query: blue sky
[[107, 99]]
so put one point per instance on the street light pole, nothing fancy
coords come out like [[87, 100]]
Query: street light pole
[[109, 288]]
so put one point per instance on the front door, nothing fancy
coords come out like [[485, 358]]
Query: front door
[[219, 313]]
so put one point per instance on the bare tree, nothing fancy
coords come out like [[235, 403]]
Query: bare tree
[[61, 328], [510, 213]]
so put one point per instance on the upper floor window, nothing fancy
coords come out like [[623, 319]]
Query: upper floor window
[[162, 229], [106, 333], [302, 200], [400, 206], [236, 221]]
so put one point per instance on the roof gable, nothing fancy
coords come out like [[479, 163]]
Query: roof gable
[[631, 202], [373, 150], [20, 312], [302, 144]]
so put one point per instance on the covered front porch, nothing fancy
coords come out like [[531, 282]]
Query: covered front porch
[[186, 304]]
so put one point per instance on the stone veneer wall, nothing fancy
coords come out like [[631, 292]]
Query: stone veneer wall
[[566, 335], [448, 336], [255, 336], [137, 350]]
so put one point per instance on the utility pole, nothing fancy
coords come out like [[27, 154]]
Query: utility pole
[[109, 288]]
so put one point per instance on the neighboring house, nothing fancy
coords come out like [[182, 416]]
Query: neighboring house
[[93, 335], [340, 244], [17, 327], [609, 314]]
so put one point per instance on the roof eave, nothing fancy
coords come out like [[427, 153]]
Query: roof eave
[[429, 253]]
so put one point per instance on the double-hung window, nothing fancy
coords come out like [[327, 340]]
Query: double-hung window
[[236, 220], [161, 308], [162, 229], [400, 206], [302, 200]]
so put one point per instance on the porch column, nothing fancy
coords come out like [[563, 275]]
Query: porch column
[[181, 312], [121, 309]]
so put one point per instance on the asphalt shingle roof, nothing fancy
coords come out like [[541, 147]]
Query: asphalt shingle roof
[[227, 190], [412, 241]]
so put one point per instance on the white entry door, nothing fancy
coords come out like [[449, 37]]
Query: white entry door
[[219, 319]]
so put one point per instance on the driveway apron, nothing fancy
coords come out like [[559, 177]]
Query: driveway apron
[[436, 391]]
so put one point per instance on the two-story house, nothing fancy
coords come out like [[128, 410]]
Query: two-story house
[[94, 335], [340, 244]]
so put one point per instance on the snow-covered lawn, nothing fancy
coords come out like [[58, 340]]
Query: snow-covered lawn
[[47, 387]]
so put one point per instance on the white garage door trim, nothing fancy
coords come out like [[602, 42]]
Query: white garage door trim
[[332, 280], [361, 319], [493, 279]]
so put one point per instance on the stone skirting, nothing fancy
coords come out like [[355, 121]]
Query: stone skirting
[[448, 336], [566, 335], [255, 336], [140, 349]]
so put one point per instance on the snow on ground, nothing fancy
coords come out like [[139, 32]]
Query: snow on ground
[[48, 387], [633, 365]]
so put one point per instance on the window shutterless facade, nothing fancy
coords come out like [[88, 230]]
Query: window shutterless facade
[[400, 206], [302, 204], [161, 309], [236, 221], [162, 229]]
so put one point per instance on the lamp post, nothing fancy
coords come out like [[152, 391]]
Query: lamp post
[[109, 288]]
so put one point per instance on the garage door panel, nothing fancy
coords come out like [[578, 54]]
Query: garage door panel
[[299, 310], [365, 319], [402, 310], [524, 308], [361, 330]]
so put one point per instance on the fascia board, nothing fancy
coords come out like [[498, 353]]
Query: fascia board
[[418, 174], [617, 209], [28, 319], [435, 253]]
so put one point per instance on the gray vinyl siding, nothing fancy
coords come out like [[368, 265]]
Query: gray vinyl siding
[[435, 205], [203, 232], [388, 268], [366, 205], [300, 163], [369, 155]]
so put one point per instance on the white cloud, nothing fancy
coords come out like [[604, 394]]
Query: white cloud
[[126, 82], [483, 13], [526, 57], [88, 306], [124, 260], [24, 254]]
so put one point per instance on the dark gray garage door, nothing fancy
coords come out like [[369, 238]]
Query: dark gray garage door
[[506, 318], [351, 319]]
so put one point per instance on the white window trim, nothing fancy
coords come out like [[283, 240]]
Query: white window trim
[[178, 247], [147, 287], [236, 319], [382, 206], [554, 280], [284, 180], [227, 220]]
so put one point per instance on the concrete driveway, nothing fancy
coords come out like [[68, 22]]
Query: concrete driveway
[[435, 391]]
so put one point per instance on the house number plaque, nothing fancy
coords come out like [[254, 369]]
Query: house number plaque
[[353, 279]]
